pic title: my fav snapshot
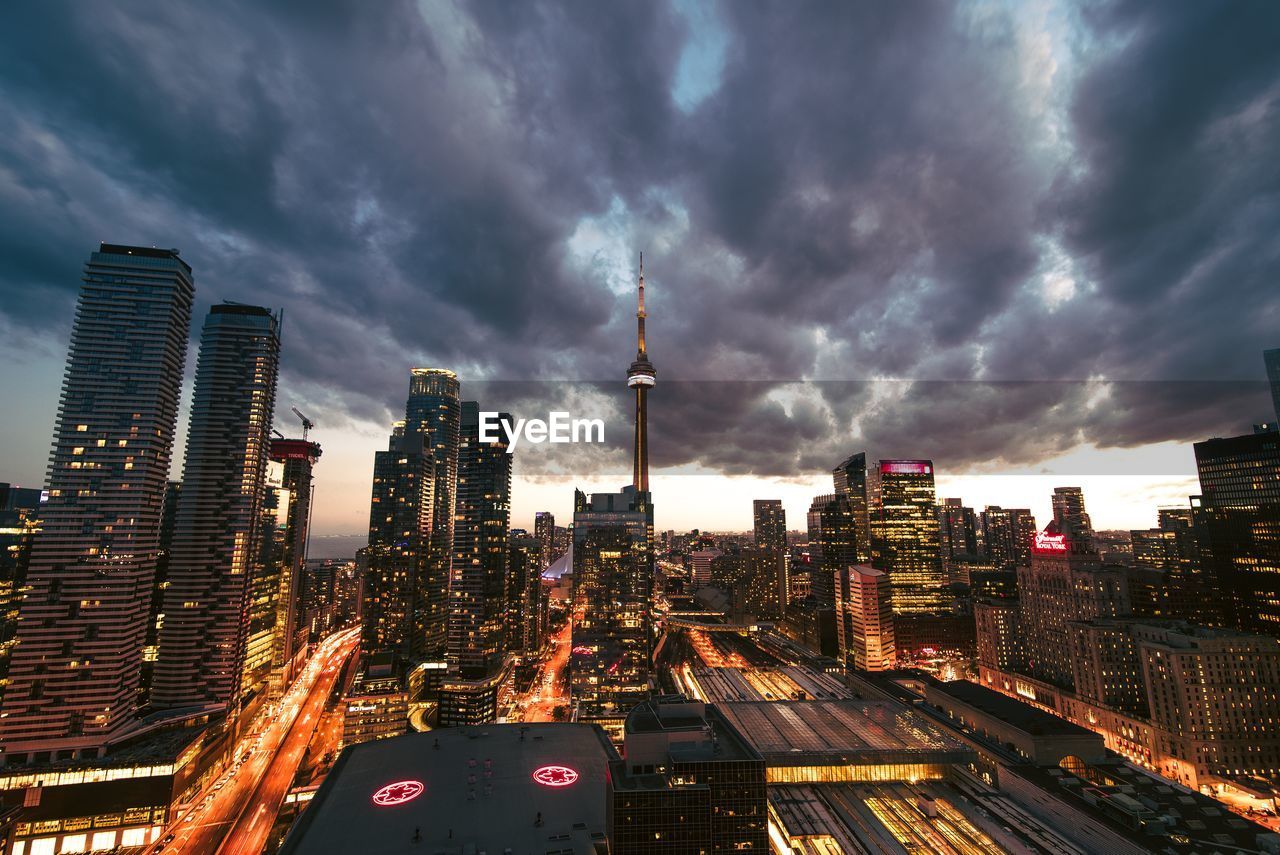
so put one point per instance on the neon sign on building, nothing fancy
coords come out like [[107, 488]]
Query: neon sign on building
[[906, 467], [398, 793], [1046, 542], [555, 776]]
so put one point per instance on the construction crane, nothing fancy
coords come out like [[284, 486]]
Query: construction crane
[[307, 424]]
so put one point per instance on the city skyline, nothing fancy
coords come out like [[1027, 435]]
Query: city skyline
[[952, 526], [841, 265]]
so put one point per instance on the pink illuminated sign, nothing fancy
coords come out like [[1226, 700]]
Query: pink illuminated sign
[[583, 651], [555, 776], [906, 467], [1046, 542], [398, 793]]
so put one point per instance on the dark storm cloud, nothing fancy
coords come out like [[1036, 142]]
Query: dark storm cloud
[[870, 191]]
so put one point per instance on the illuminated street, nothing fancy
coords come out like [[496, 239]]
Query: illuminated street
[[240, 807], [550, 689]]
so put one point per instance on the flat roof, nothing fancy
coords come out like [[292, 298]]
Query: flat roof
[[849, 731], [464, 789], [1154, 813], [1025, 717]]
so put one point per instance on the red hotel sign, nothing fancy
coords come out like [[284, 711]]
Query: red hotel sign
[[1046, 542]]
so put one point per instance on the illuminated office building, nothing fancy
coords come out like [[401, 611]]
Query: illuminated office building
[[478, 578], [958, 539], [264, 583], [864, 618], [700, 567], [770, 577], [905, 537], [1214, 697], [481, 520], [75, 670], [434, 411], [526, 595], [688, 781], [19, 523], [1238, 524], [770, 522], [544, 529], [155, 614], [1066, 581], [376, 705], [298, 458], [272, 645], [1008, 535], [394, 562], [1069, 512], [998, 634], [613, 589], [850, 479], [217, 530], [832, 544]]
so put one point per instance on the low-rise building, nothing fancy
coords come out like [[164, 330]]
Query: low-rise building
[[377, 703], [688, 782]]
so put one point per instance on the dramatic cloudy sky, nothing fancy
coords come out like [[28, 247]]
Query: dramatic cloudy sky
[[1034, 242]]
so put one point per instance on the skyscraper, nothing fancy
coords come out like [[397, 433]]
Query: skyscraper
[[19, 522], [613, 587], [401, 514], [94, 561], [286, 514], [958, 532], [1238, 527], [1007, 535], [770, 582], [905, 545], [298, 457], [1069, 512], [218, 523], [832, 544], [1271, 358], [770, 524], [155, 613], [640, 376], [526, 596], [864, 618], [433, 412], [850, 479], [477, 606], [544, 529]]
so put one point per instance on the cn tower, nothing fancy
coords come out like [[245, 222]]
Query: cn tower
[[640, 376]]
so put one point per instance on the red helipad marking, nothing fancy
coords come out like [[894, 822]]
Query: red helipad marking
[[555, 776], [398, 793]]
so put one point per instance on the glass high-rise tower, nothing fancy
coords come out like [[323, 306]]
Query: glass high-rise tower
[[401, 514], [434, 412], [217, 528], [907, 544], [482, 518], [75, 671]]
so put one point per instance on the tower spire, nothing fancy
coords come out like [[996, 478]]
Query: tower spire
[[640, 347], [640, 376]]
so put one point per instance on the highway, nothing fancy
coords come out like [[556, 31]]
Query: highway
[[236, 814]]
